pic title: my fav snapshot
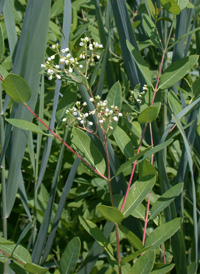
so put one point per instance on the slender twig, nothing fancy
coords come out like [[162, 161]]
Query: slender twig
[[60, 139], [113, 204], [145, 127], [149, 196]]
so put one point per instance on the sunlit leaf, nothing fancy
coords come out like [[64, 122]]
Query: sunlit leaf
[[111, 214], [17, 88]]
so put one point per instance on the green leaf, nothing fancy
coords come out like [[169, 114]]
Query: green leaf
[[87, 149], [33, 268], [176, 71], [124, 142], [114, 97], [151, 8], [183, 4], [19, 254], [132, 238], [96, 233], [146, 153], [26, 125], [57, 8], [17, 88], [165, 200], [1, 44], [139, 212], [148, 115], [134, 255], [196, 87], [163, 232], [151, 31], [171, 6], [163, 269], [146, 168], [111, 214], [192, 268], [137, 193], [70, 256], [144, 264], [141, 63]]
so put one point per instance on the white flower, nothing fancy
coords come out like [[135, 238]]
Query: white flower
[[98, 57], [82, 122], [90, 123], [62, 60], [52, 57], [64, 119], [49, 58], [91, 99], [110, 127], [66, 49], [90, 47], [72, 59], [57, 66], [120, 114], [111, 111], [79, 118], [86, 114], [66, 62], [74, 109], [67, 111], [96, 44], [112, 106], [115, 118], [84, 104], [101, 121], [80, 66], [53, 46], [75, 113], [68, 55], [50, 71], [81, 44], [100, 46], [58, 76], [50, 77], [70, 70], [86, 39], [42, 65]]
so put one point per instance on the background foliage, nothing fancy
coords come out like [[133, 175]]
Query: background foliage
[[57, 215]]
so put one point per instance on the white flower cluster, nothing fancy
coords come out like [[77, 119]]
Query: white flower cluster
[[91, 46], [105, 116], [67, 63]]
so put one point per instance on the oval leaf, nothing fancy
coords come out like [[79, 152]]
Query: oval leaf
[[87, 149], [148, 115], [70, 256], [144, 264], [162, 233], [132, 238], [137, 193], [96, 233], [124, 142], [33, 268], [165, 200], [111, 214], [171, 6], [26, 125], [17, 88], [176, 71]]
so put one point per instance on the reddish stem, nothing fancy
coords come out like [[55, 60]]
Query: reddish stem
[[71, 149], [142, 137]]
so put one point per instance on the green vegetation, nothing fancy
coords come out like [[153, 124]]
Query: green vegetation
[[99, 136]]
